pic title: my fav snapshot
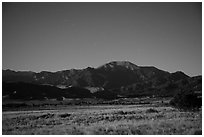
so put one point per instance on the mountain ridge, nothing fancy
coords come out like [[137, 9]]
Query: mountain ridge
[[120, 78], [108, 70], [86, 68]]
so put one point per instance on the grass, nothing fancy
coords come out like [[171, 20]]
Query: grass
[[103, 120]]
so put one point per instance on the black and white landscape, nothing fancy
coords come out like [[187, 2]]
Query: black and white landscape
[[102, 68], [140, 90]]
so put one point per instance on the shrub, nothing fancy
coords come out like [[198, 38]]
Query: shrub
[[46, 116], [60, 98], [186, 101], [65, 115], [122, 112], [198, 132], [151, 110]]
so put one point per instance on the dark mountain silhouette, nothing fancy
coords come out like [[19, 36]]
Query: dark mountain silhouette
[[16, 76], [111, 75], [29, 91], [115, 78]]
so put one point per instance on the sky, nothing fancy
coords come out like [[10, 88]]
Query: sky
[[59, 36]]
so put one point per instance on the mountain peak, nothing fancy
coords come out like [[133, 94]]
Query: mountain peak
[[122, 63], [125, 64]]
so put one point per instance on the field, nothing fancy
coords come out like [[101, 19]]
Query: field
[[103, 119]]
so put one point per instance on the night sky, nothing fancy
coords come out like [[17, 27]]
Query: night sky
[[60, 36]]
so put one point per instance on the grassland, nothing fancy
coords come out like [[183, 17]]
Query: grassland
[[103, 120]]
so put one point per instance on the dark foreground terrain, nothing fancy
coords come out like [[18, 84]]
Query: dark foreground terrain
[[101, 118]]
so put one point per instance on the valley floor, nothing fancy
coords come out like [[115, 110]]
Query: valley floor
[[103, 120]]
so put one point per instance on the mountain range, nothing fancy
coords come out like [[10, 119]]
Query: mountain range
[[121, 78]]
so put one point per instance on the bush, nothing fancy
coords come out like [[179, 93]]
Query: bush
[[198, 132], [60, 98], [186, 101], [65, 115], [151, 110]]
